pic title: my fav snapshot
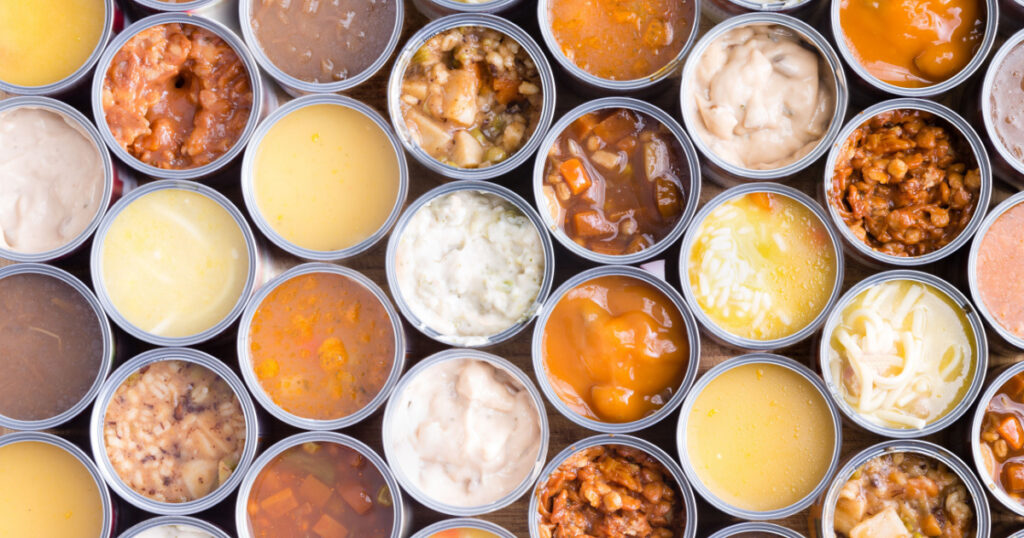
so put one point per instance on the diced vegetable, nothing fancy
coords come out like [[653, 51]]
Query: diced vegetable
[[657, 161], [886, 524], [468, 151], [315, 492], [584, 125], [575, 175], [765, 200], [356, 497], [1010, 430], [280, 503], [617, 126], [668, 198], [1013, 477], [591, 224], [327, 527], [506, 88]]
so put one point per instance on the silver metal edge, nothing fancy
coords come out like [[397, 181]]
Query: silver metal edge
[[812, 38], [488, 188], [972, 268], [969, 135], [483, 20], [249, 177], [721, 335], [974, 432], [980, 361], [750, 526], [702, 383], [99, 412], [186, 521], [692, 336], [463, 523], [161, 5], [995, 64], [488, 6], [692, 194], [498, 362], [106, 357]]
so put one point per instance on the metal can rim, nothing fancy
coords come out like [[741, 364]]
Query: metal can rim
[[487, 188], [930, 450], [811, 37], [490, 6], [69, 114], [245, 356], [690, 154], [498, 362], [462, 523], [714, 330], [301, 86], [248, 178], [491, 22], [702, 383], [224, 33], [972, 266], [1004, 50], [170, 7], [268, 455], [754, 526], [956, 122], [985, 476], [96, 263], [98, 444], [106, 357], [980, 361], [693, 340], [187, 521], [688, 500]]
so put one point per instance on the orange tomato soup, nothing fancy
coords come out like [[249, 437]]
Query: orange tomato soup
[[913, 43], [323, 490], [615, 349], [621, 39], [322, 346]]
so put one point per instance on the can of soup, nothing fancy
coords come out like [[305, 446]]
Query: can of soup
[[870, 85], [262, 221], [247, 366], [434, 9], [75, 83], [824, 512], [690, 469], [463, 523], [173, 524], [857, 248], [105, 336], [718, 11], [958, 301], [408, 54], [726, 172], [129, 373], [106, 505], [490, 190], [256, 103], [296, 86], [392, 445], [538, 352], [713, 329], [1005, 164], [1010, 337], [401, 513], [82, 125], [982, 454], [143, 8], [155, 334], [756, 529], [688, 501], [548, 208]]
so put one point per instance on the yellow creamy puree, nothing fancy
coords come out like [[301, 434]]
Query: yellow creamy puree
[[45, 41]]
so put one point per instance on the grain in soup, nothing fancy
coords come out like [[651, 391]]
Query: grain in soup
[[621, 39], [320, 489], [321, 345], [1002, 438], [174, 431], [51, 346], [614, 181], [1000, 269], [471, 97], [610, 491], [904, 495], [905, 182], [177, 96], [320, 41]]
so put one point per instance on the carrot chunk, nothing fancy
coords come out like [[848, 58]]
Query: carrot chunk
[[591, 224], [1010, 430], [575, 175], [280, 503], [328, 527], [584, 125], [1015, 387], [668, 198], [314, 491], [1013, 477], [616, 127], [506, 89], [764, 199], [356, 497]]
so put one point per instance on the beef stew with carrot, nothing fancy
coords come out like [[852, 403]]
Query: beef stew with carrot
[[1002, 437]]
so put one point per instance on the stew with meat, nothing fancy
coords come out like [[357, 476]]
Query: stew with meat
[[1002, 437]]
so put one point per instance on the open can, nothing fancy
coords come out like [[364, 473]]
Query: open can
[[191, 523]]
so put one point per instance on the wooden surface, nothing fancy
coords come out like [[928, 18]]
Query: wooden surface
[[563, 432]]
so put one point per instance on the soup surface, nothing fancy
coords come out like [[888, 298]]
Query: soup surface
[[1000, 269], [46, 41], [464, 532], [51, 346]]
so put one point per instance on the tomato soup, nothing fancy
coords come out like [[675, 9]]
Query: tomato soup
[[45, 41], [321, 345], [1000, 269], [615, 349], [320, 489]]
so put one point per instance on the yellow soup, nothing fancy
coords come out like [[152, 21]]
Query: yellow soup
[[45, 492], [175, 263], [45, 41], [762, 266], [326, 177], [760, 437]]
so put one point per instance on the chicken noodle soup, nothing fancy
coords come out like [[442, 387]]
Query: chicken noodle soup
[[904, 495], [1002, 438], [614, 181], [616, 349], [471, 97], [320, 489], [762, 266], [321, 345], [43, 42], [902, 354], [174, 431]]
